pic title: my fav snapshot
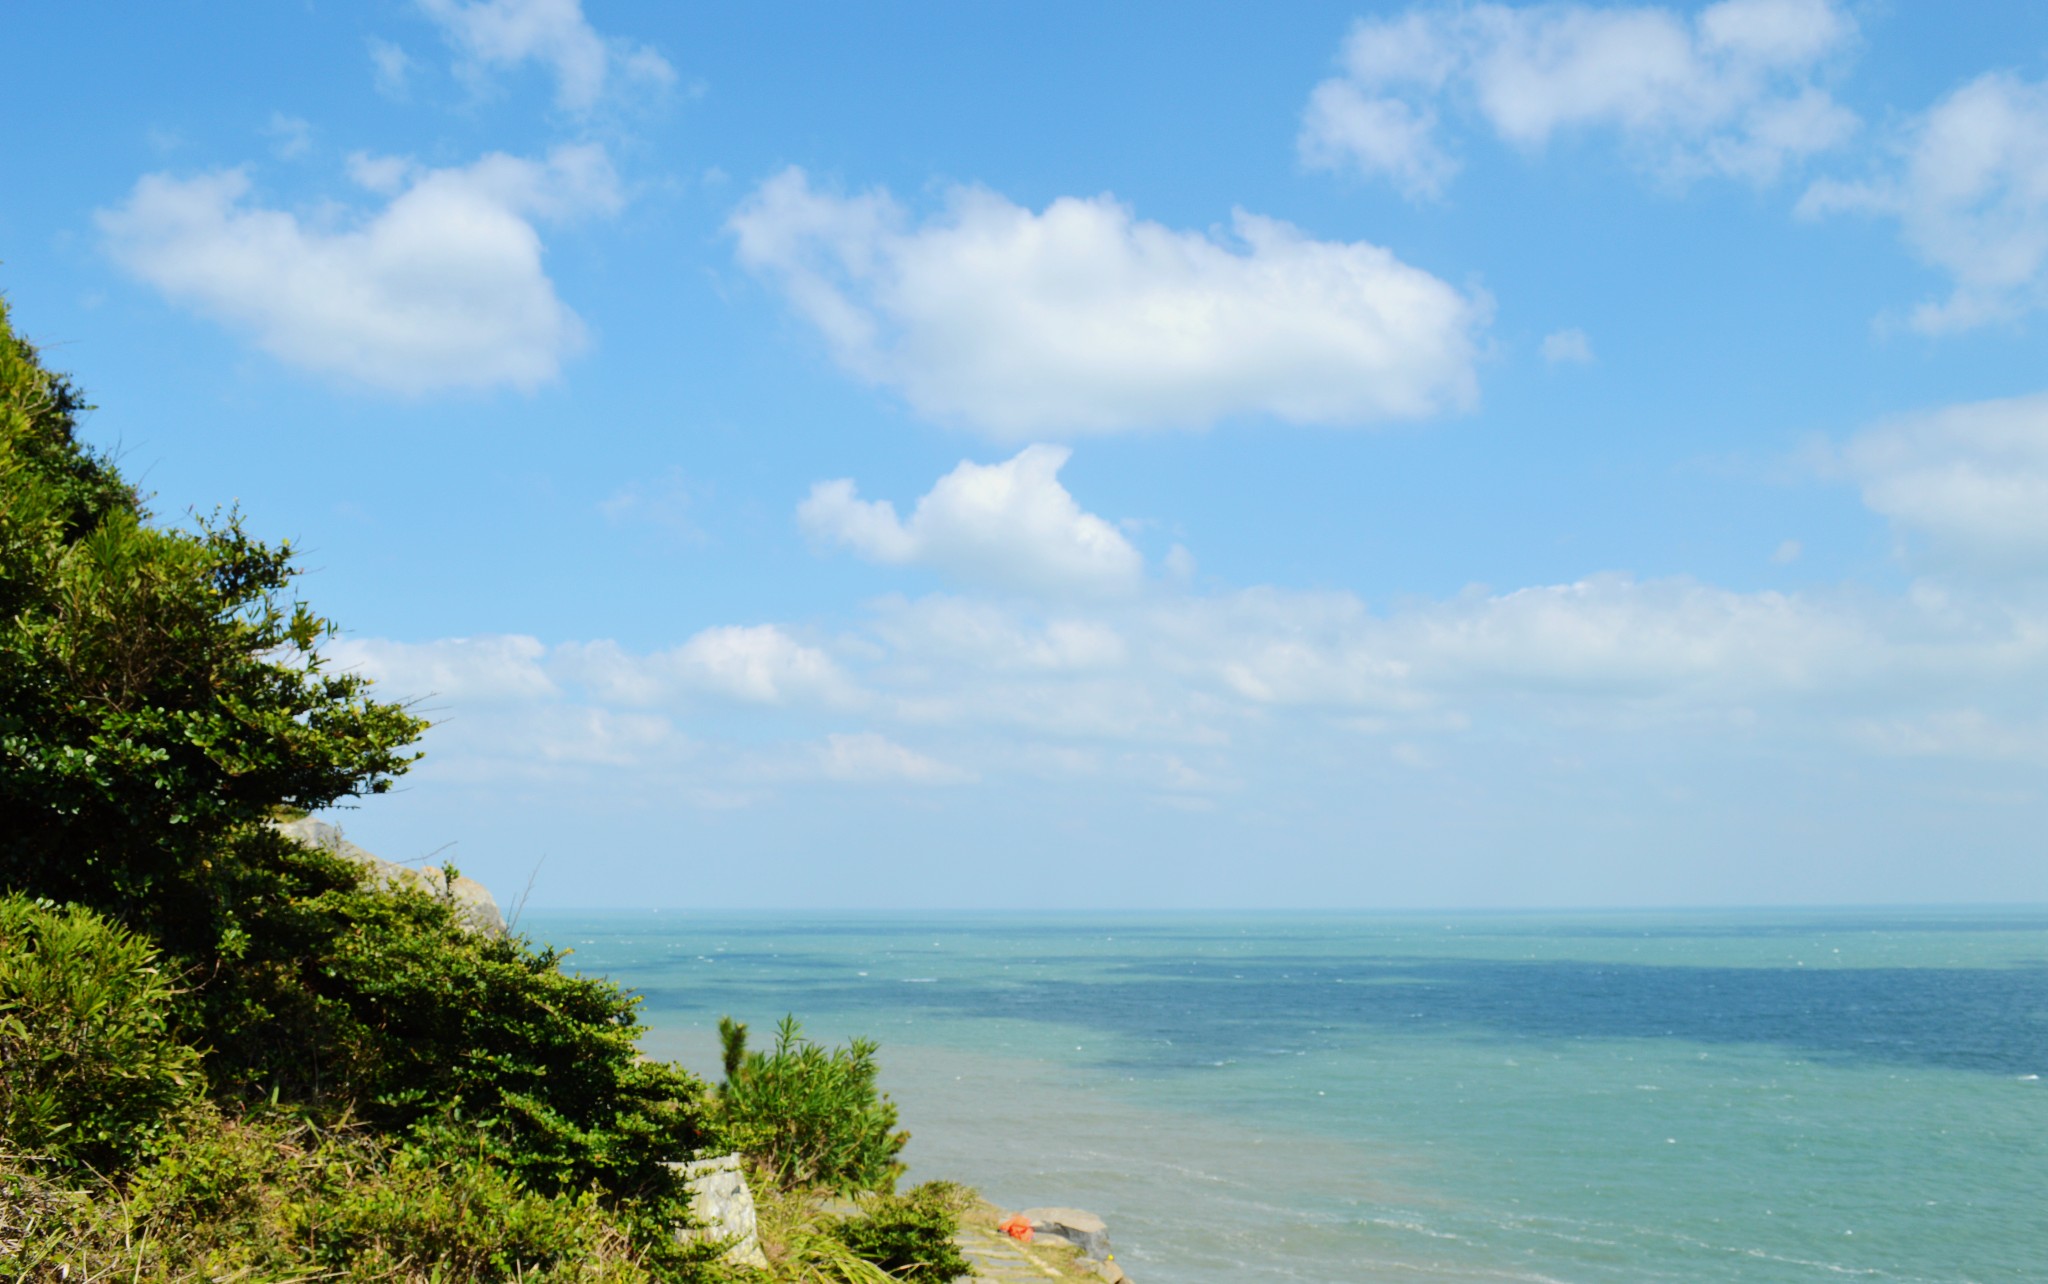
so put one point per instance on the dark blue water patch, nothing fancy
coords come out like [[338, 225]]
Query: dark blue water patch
[[1839, 925], [1991, 1020], [1200, 992], [1262, 933]]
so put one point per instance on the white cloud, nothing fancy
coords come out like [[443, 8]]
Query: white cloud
[[1220, 694], [758, 663], [1009, 525], [1670, 640], [440, 288], [597, 737], [1730, 92], [867, 758], [1973, 479], [1568, 346], [496, 34], [1344, 127], [753, 664], [955, 630], [1171, 691], [1963, 732], [391, 67], [1970, 191], [290, 136], [664, 502], [506, 667], [1084, 318]]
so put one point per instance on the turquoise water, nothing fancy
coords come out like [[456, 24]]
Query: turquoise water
[[1684, 1097]]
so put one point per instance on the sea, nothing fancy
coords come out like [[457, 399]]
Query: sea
[[1586, 1098]]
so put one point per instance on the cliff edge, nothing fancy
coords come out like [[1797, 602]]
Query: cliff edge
[[475, 902]]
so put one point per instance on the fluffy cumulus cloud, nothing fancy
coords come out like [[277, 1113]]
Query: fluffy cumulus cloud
[[493, 35], [1009, 526], [1969, 188], [1084, 318], [1731, 91], [1972, 480], [440, 287]]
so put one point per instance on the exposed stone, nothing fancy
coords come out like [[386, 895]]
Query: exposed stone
[[1085, 1231], [723, 1209], [472, 899], [999, 1259]]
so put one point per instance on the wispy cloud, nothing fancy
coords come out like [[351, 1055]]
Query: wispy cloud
[[1969, 187], [290, 136], [1568, 347], [495, 35], [1165, 687], [1730, 92]]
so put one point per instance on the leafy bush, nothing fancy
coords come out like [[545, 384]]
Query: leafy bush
[[385, 1094], [910, 1236], [88, 1065], [811, 1115], [546, 1064], [162, 697], [272, 1196], [796, 1235], [162, 694], [159, 688]]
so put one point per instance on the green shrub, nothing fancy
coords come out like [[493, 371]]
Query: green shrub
[[272, 1196], [162, 697], [160, 688], [811, 1114], [437, 1201], [546, 1063], [910, 1236], [89, 1069]]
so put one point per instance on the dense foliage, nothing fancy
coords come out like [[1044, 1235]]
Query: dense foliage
[[809, 1114], [910, 1236], [226, 1054], [162, 700], [274, 1196], [88, 1067], [159, 688]]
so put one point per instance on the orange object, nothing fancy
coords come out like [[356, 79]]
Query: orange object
[[1018, 1228]]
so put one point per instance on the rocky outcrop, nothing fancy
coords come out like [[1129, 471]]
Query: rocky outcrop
[[472, 899], [1061, 1244], [722, 1208], [1084, 1231]]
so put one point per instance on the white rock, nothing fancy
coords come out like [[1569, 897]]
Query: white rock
[[1086, 1231], [723, 1208], [475, 902]]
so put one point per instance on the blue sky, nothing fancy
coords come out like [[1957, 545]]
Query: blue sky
[[1075, 455]]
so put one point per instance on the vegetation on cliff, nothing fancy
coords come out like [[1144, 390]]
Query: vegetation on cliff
[[224, 1053]]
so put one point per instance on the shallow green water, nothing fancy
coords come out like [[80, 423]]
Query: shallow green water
[[1698, 1097]]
